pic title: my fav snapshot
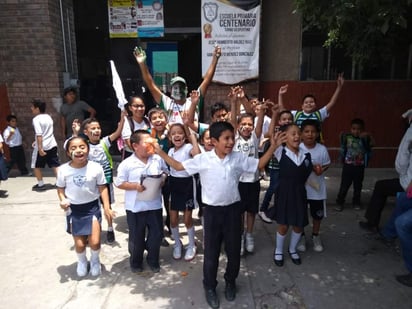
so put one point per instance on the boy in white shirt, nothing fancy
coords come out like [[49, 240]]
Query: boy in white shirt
[[45, 145], [143, 210], [13, 138], [315, 185], [219, 171]]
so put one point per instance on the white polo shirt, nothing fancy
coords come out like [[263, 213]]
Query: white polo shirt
[[131, 170], [15, 140], [220, 177]]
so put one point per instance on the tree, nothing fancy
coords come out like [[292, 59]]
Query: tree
[[369, 30]]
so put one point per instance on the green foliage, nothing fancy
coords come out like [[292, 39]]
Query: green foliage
[[369, 30]]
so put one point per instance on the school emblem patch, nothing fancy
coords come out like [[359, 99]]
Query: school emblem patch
[[79, 180]]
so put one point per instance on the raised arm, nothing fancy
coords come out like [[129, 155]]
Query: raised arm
[[282, 90], [335, 95], [210, 71], [260, 113], [178, 166], [189, 115], [140, 56], [116, 134], [193, 140], [273, 120]]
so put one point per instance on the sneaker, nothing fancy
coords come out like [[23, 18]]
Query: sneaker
[[190, 253], [264, 218], [242, 245], [302, 244], [110, 237], [38, 188], [317, 244], [249, 243], [339, 207], [95, 268], [82, 268], [177, 251]]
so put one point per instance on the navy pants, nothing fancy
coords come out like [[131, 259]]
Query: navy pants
[[138, 222], [351, 174], [221, 224]]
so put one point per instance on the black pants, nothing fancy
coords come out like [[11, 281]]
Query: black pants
[[18, 157], [221, 223], [137, 223], [351, 174], [383, 188]]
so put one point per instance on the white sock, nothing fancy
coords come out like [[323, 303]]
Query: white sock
[[280, 239], [94, 255], [191, 236], [110, 229], [82, 256], [175, 233], [294, 239], [40, 183]]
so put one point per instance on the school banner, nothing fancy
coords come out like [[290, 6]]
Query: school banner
[[150, 19], [233, 25], [135, 18]]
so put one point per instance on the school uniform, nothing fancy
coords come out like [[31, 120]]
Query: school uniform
[[222, 215], [316, 184], [290, 197], [142, 214], [17, 154], [43, 126], [81, 187], [181, 184], [249, 184]]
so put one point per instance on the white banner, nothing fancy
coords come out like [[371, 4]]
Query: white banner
[[235, 28]]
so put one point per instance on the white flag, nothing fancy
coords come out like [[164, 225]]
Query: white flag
[[117, 86]]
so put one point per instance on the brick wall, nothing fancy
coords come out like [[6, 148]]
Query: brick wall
[[32, 56]]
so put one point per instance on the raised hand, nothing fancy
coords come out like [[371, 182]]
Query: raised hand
[[340, 80], [139, 54], [283, 89]]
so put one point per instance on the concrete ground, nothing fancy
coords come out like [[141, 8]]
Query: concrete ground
[[38, 263]]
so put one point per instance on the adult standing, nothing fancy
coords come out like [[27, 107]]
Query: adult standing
[[72, 109], [177, 105]]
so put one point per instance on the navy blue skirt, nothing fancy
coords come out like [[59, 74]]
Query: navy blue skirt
[[80, 221]]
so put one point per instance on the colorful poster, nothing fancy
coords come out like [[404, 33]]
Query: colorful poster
[[135, 18], [150, 19], [233, 25], [122, 18]]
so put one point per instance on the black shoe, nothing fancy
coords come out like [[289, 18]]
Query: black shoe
[[211, 298], [38, 188], [4, 193], [110, 237], [405, 279], [368, 227], [155, 269], [230, 291], [296, 261], [136, 270], [278, 262]]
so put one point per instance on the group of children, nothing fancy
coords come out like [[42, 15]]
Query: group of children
[[162, 158]]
